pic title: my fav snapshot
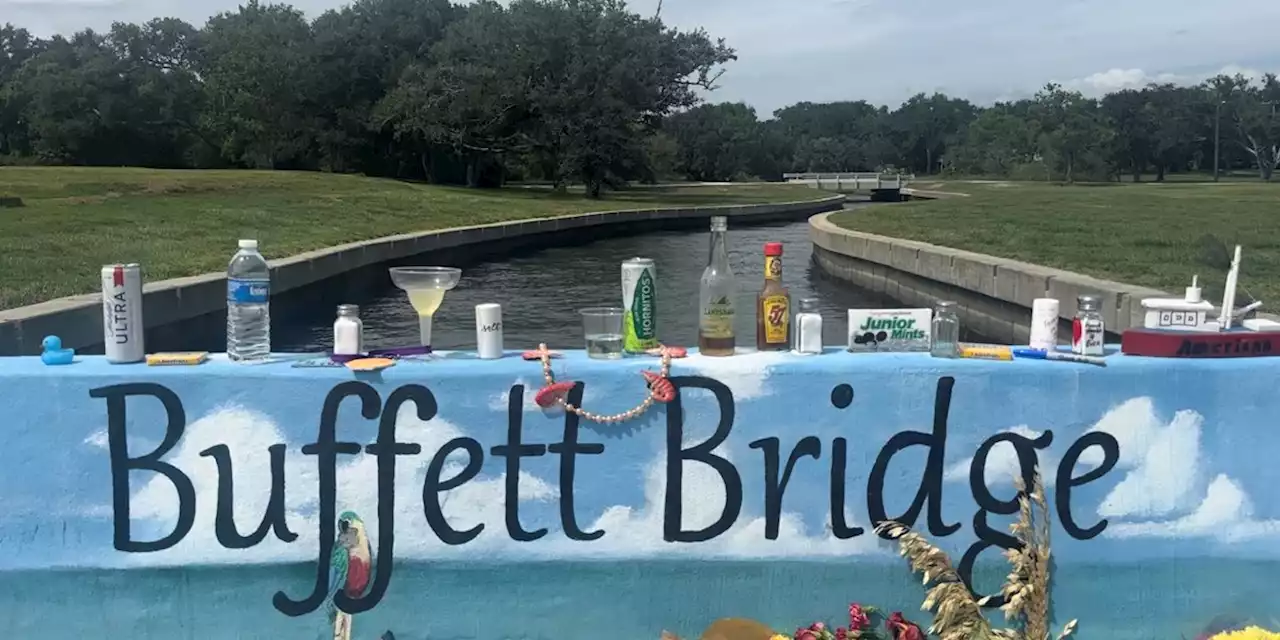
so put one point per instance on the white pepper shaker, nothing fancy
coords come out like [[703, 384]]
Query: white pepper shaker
[[808, 333]]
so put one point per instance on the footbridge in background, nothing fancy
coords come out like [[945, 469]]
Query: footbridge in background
[[886, 187]]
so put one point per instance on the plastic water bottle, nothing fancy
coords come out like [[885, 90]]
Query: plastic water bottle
[[248, 304]]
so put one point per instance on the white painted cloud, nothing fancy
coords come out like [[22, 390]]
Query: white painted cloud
[[746, 374], [248, 434], [1226, 513], [1002, 462], [498, 401], [1165, 492], [1161, 461]]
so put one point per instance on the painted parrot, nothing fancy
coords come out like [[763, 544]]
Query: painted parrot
[[351, 563], [902, 629]]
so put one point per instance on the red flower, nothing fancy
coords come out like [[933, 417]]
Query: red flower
[[841, 634], [806, 634], [858, 619], [817, 626], [902, 629]]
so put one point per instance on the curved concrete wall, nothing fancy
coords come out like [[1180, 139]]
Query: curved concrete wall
[[201, 502], [78, 319], [994, 294]]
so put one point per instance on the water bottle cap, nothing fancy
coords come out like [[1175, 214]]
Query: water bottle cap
[[248, 244]]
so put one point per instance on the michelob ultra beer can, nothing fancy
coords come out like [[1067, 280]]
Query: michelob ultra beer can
[[639, 304], [122, 313]]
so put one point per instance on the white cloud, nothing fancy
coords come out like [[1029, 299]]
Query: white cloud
[[746, 374], [1162, 461], [1226, 513], [1002, 462], [1164, 493], [1165, 490], [1104, 82], [248, 434], [498, 401]]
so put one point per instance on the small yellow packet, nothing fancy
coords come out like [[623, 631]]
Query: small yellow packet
[[986, 352], [179, 358]]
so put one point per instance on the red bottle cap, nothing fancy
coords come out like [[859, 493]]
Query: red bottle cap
[[773, 248]]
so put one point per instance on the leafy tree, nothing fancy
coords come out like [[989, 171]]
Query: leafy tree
[[17, 46], [1073, 134], [717, 142], [996, 143], [362, 51], [563, 90], [927, 123], [258, 66], [1181, 116], [1255, 114], [1132, 119]]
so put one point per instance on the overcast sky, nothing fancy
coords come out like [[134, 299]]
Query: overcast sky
[[884, 51]]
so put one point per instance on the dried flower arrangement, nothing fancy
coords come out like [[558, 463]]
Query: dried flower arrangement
[[957, 614]]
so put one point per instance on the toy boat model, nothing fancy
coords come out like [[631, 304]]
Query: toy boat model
[[1176, 328]]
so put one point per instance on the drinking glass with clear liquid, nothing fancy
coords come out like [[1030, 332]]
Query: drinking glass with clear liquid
[[602, 328]]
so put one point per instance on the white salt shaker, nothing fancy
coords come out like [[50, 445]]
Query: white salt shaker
[[348, 331], [808, 333], [489, 331]]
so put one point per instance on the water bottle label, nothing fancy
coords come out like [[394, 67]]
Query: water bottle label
[[248, 291]]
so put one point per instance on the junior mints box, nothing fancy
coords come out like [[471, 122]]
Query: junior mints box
[[889, 329]]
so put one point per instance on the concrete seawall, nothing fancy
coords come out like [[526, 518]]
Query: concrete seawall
[[994, 294], [78, 319]]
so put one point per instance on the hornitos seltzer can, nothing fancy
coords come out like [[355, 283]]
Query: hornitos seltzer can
[[122, 313], [640, 305]]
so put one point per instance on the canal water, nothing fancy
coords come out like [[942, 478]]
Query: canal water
[[541, 290], [541, 285]]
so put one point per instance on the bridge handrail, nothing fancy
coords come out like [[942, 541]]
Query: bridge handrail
[[852, 180]]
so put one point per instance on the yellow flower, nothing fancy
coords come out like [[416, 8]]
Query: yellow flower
[[1248, 633], [779, 636]]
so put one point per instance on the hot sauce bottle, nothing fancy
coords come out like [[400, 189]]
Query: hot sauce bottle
[[773, 306]]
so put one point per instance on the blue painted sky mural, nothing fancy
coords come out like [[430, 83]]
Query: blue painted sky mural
[[1186, 487]]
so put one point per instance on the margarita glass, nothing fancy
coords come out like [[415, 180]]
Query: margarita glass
[[425, 287]]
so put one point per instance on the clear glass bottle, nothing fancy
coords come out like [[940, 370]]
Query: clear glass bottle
[[715, 296], [945, 339], [808, 333], [348, 331]]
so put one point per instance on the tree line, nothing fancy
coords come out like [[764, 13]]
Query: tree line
[[1057, 134], [581, 91], [560, 90]]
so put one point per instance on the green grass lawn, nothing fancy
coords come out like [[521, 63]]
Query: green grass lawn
[[181, 223], [1147, 234]]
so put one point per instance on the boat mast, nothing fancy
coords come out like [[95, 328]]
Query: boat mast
[[1229, 294]]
